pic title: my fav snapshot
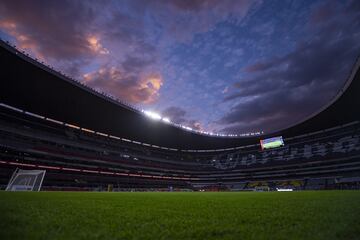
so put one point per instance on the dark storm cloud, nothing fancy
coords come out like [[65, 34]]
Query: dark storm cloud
[[274, 110], [50, 32], [323, 13], [224, 6], [353, 7], [191, 5], [310, 62], [286, 89], [182, 20]]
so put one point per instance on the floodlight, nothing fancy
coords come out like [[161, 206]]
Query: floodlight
[[166, 120], [152, 115]]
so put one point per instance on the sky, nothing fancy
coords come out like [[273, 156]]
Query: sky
[[222, 66]]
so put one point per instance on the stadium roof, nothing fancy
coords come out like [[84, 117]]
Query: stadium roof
[[34, 87]]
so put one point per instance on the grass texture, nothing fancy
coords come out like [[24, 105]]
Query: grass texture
[[197, 215]]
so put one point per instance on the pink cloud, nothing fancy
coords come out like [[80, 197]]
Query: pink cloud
[[143, 89]]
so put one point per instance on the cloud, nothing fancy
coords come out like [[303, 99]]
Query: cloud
[[274, 110], [185, 18], [225, 90], [262, 66], [281, 90], [323, 13], [353, 7], [51, 29], [178, 115], [96, 46], [196, 125], [126, 86], [106, 43]]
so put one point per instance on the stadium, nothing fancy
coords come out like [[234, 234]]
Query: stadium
[[110, 143], [101, 168]]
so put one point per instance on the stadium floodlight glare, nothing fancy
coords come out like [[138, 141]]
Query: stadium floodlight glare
[[187, 128], [166, 120], [152, 115]]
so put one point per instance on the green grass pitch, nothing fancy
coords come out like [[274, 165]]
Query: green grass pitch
[[201, 215]]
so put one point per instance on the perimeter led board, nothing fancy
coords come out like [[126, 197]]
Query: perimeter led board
[[272, 143]]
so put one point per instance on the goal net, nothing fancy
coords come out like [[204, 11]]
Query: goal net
[[26, 180]]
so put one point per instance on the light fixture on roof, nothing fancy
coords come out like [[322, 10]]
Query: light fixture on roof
[[152, 115], [166, 120]]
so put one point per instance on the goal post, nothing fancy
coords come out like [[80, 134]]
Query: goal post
[[26, 180]]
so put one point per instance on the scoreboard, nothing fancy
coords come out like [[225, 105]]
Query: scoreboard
[[271, 143]]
